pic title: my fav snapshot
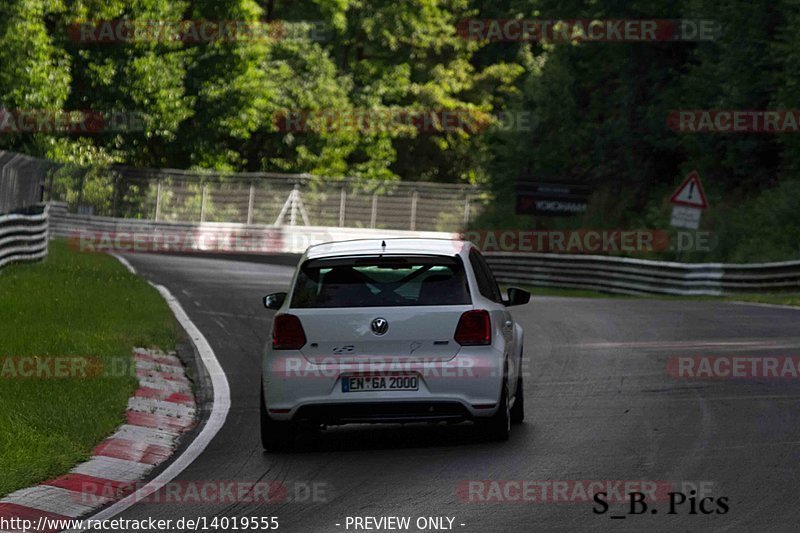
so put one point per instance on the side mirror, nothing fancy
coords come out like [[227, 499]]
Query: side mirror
[[274, 300], [517, 297]]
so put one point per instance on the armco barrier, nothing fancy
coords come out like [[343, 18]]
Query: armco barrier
[[638, 276], [600, 273], [203, 237], [24, 235]]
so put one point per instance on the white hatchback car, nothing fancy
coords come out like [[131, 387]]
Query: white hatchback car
[[388, 331]]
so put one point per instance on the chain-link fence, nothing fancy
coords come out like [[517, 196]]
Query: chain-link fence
[[22, 180], [267, 198]]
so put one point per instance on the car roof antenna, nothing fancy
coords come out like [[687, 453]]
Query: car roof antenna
[[383, 246]]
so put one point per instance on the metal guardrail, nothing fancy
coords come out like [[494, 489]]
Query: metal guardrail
[[94, 233], [599, 273], [638, 276], [24, 235]]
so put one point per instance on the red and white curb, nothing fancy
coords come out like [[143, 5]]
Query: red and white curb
[[161, 410]]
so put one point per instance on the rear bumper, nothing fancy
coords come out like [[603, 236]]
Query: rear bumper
[[463, 388], [382, 412]]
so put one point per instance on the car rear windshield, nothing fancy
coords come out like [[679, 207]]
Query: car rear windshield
[[381, 282]]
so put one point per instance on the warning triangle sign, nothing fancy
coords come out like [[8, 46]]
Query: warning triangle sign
[[690, 193]]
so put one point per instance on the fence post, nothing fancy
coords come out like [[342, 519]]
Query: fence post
[[374, 218], [342, 206], [52, 184], [250, 202], [414, 198], [114, 196], [203, 204], [158, 201], [293, 208], [80, 189], [466, 211]]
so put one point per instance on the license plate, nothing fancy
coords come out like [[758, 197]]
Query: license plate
[[379, 383]]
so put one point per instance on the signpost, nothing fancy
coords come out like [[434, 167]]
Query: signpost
[[550, 199], [688, 201]]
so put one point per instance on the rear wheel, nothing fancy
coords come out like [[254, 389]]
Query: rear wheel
[[518, 409], [276, 435], [498, 427]]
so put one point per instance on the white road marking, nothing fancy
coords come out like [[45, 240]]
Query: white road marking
[[165, 384], [160, 407], [160, 367], [113, 468], [695, 345], [233, 315], [125, 263], [56, 500], [776, 306], [159, 437]]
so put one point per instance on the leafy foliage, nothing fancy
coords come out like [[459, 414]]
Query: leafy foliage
[[599, 108]]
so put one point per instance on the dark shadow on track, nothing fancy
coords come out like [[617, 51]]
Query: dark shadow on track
[[362, 437]]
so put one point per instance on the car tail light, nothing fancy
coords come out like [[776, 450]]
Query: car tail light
[[287, 333], [474, 328]]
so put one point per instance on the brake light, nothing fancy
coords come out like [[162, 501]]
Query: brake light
[[474, 328], [287, 333]]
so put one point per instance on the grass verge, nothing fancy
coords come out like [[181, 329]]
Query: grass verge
[[72, 305]]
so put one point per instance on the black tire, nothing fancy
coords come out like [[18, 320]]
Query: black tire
[[518, 409], [275, 435], [498, 427]]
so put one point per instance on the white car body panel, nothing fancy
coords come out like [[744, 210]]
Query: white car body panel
[[419, 340]]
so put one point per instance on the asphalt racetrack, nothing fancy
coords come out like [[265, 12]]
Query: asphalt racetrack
[[600, 406]]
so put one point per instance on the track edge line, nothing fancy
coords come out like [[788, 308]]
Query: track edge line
[[219, 410]]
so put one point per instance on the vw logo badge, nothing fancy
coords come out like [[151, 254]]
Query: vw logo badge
[[380, 326]]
